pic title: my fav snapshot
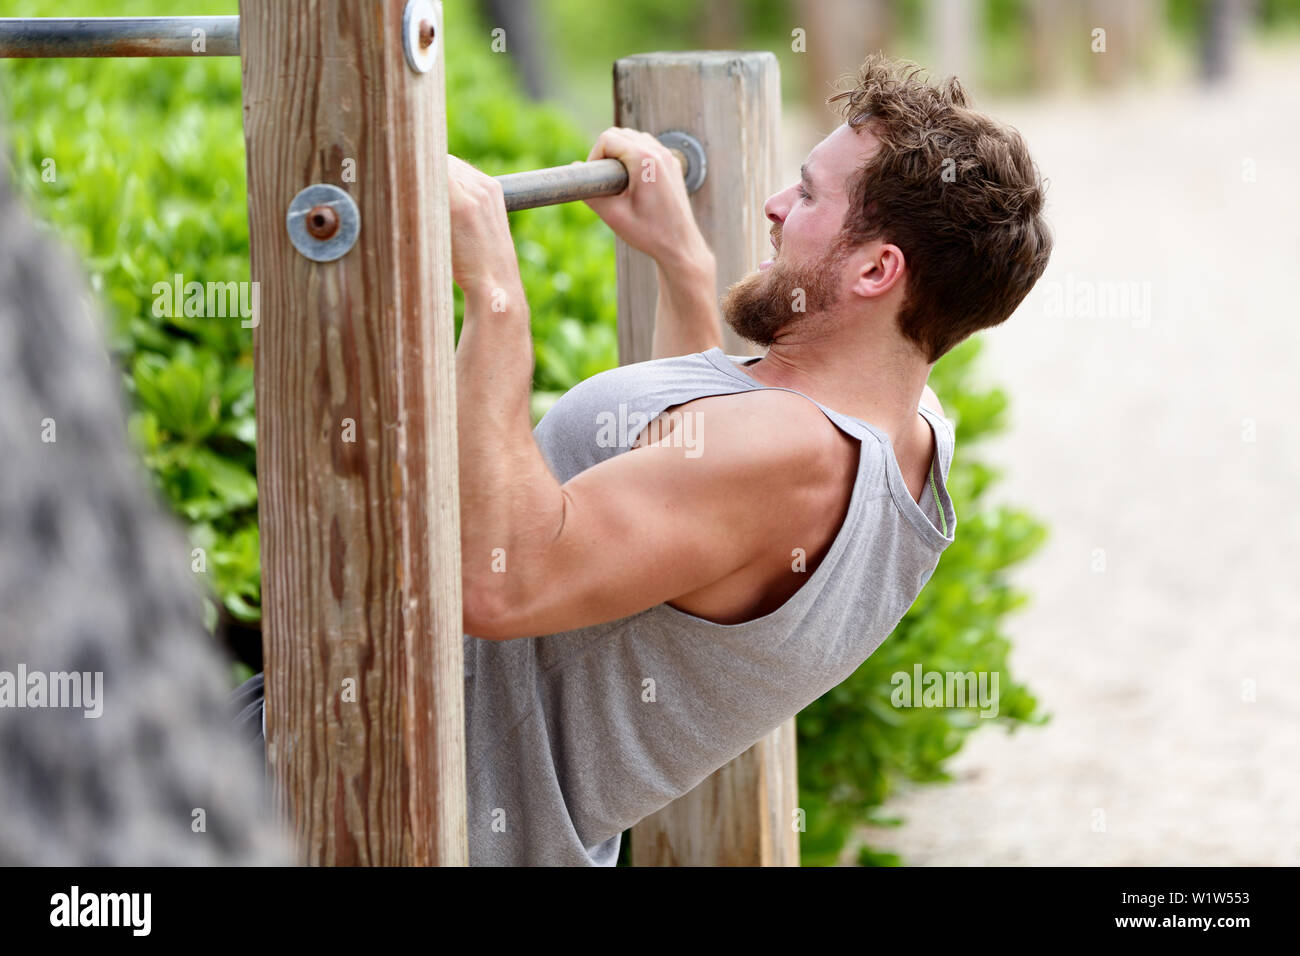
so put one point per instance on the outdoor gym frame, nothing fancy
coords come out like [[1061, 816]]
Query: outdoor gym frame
[[360, 540]]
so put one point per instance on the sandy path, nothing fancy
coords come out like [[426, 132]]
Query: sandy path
[[1130, 434]]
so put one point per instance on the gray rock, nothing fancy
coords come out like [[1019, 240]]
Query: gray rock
[[95, 578]]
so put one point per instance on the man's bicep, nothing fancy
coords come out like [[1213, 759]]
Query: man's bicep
[[665, 519], [641, 528]]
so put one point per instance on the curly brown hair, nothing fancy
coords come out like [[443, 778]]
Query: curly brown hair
[[956, 191]]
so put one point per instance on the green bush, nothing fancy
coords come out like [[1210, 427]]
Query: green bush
[[149, 182], [139, 165]]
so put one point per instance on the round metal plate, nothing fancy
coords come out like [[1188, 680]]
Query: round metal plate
[[420, 58], [323, 250], [694, 153]]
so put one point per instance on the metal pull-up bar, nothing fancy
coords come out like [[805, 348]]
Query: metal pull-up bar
[[49, 37], [557, 184], [601, 177], [119, 36]]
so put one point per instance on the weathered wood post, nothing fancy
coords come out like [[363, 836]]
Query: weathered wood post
[[731, 102], [356, 428]]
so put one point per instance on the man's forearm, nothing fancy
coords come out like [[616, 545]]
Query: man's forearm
[[508, 497], [687, 318]]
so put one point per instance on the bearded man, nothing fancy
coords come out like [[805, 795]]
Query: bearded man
[[639, 613], [687, 551]]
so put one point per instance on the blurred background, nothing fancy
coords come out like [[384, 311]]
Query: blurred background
[[1127, 448]]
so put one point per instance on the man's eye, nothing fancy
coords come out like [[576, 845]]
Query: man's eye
[[803, 193]]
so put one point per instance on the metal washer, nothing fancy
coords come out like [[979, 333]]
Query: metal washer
[[417, 58], [337, 245], [697, 164]]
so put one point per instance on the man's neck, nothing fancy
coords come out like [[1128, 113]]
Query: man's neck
[[872, 384]]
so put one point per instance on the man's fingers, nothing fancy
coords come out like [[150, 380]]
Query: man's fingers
[[620, 142], [466, 171], [468, 178], [597, 150], [632, 147], [459, 168], [612, 144]]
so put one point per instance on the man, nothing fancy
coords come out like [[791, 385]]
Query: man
[[687, 551]]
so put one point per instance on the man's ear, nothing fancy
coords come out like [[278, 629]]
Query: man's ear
[[882, 267]]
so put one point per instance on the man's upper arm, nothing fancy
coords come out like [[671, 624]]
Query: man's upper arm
[[663, 520]]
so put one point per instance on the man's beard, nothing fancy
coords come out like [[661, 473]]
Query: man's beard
[[762, 305]]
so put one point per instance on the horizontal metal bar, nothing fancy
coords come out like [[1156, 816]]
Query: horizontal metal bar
[[118, 36], [558, 184], [174, 36]]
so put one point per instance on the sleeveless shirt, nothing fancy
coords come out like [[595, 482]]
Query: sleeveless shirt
[[573, 737]]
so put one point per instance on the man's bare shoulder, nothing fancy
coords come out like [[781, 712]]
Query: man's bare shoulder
[[791, 492], [793, 463], [775, 425], [931, 401]]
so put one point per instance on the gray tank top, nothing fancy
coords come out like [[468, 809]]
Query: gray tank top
[[573, 737]]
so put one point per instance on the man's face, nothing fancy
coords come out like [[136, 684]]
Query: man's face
[[807, 217]]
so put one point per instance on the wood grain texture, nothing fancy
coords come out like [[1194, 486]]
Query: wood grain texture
[[743, 814], [360, 539], [731, 102]]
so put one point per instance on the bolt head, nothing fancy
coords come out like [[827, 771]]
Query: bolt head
[[426, 34], [322, 222]]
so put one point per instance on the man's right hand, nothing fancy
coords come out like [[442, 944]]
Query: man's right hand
[[653, 216]]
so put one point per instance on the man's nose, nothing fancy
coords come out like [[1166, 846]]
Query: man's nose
[[778, 205]]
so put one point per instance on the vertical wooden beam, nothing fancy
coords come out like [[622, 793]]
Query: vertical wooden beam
[[356, 429], [1049, 50], [731, 102], [838, 36], [954, 30]]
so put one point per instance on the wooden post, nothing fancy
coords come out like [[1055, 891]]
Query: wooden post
[[955, 32], [356, 438], [838, 35], [731, 102]]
